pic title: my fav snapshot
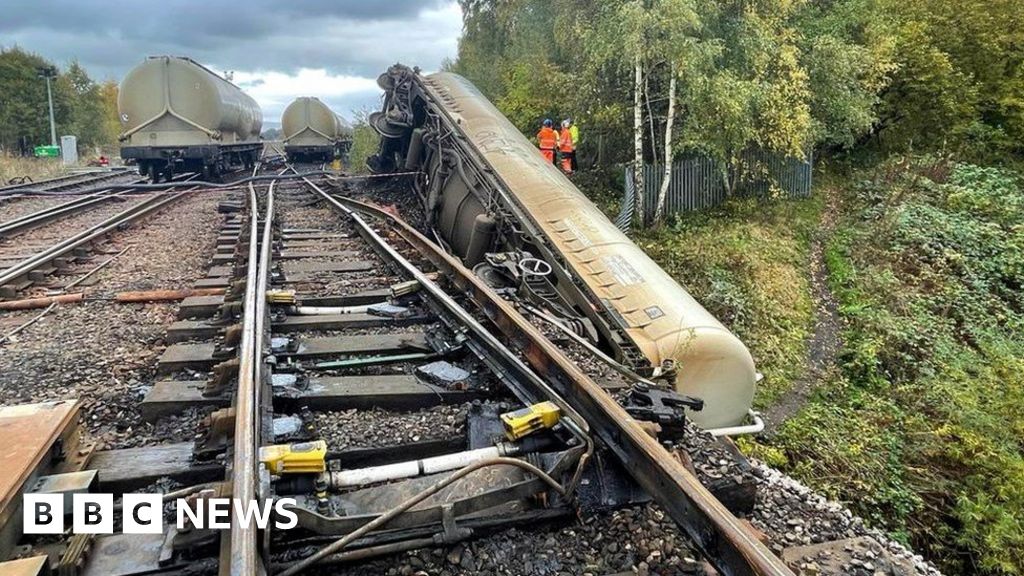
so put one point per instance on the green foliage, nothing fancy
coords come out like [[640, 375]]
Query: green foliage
[[848, 57], [81, 107], [922, 431], [746, 262], [959, 76], [365, 142], [779, 75], [90, 106], [23, 105]]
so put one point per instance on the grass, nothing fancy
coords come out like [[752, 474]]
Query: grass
[[921, 433], [35, 168], [920, 428], [746, 262]]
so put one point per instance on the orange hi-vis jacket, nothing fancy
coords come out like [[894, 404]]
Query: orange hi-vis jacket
[[565, 141], [547, 139]]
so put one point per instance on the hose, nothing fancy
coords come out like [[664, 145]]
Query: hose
[[430, 491]]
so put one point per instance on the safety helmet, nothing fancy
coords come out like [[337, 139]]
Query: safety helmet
[[566, 122], [547, 122]]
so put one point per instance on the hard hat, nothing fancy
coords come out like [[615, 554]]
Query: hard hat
[[547, 122], [566, 123]]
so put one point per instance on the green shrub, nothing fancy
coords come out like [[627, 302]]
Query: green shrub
[[922, 433]]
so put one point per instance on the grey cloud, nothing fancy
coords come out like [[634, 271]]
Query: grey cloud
[[343, 36]]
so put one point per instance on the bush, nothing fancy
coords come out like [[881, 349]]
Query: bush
[[922, 432]]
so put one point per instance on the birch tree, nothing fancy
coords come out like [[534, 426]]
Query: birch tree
[[639, 210], [666, 180]]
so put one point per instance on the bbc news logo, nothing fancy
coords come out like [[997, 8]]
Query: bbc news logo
[[144, 513]]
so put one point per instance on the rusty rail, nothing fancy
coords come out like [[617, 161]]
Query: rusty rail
[[244, 555], [63, 247], [727, 543]]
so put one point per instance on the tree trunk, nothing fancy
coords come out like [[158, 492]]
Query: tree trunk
[[638, 139], [650, 116], [666, 179]]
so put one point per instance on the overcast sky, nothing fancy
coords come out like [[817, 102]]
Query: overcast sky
[[277, 49]]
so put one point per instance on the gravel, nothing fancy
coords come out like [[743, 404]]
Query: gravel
[[639, 540], [101, 353], [791, 514], [47, 234], [170, 250], [18, 207], [105, 353], [379, 428]]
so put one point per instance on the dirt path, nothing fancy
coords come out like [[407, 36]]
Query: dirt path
[[824, 343]]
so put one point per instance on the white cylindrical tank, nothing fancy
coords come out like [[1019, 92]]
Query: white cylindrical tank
[[656, 313], [309, 122], [174, 101]]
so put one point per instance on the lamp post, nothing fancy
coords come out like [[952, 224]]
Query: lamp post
[[49, 72]]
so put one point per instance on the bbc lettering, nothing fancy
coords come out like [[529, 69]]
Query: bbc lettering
[[143, 513]]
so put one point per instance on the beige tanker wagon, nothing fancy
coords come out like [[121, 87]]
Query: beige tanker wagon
[[314, 133], [179, 116], [524, 226]]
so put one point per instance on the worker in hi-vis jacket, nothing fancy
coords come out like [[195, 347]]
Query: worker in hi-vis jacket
[[547, 140], [566, 147]]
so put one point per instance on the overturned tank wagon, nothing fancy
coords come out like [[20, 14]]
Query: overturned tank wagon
[[524, 227], [314, 133], [179, 116]]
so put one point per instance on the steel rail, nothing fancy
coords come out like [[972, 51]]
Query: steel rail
[[88, 179], [64, 246], [233, 185], [61, 181], [575, 421], [244, 555], [720, 536], [43, 216]]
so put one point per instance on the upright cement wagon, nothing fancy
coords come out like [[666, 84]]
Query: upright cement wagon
[[178, 116], [314, 133]]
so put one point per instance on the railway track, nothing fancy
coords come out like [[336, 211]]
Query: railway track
[[370, 345], [356, 367], [28, 256], [61, 183], [26, 263], [57, 211]]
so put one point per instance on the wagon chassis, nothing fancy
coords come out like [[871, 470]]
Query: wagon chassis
[[412, 103]]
